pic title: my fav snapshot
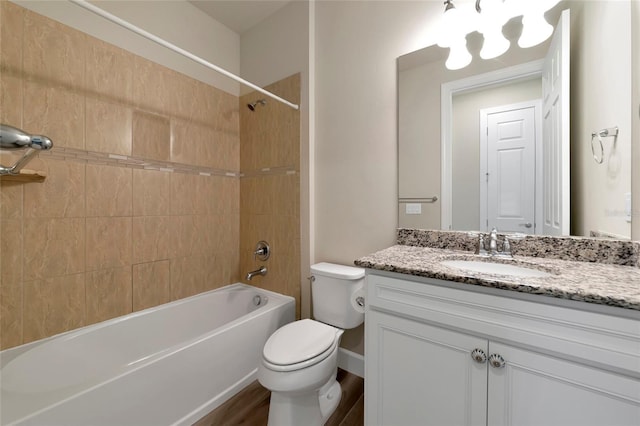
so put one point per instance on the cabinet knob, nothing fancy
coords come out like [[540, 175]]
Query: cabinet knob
[[479, 356], [496, 361]]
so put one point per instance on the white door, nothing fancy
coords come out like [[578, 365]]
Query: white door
[[532, 389], [508, 167], [555, 112], [418, 374]]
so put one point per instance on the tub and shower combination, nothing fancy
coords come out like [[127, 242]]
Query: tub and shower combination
[[168, 365]]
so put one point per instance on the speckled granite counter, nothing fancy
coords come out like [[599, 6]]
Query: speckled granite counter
[[605, 283]]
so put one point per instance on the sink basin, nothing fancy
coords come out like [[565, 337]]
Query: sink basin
[[495, 268]]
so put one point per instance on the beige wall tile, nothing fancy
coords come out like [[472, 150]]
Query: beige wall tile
[[229, 265], [151, 193], [108, 242], [11, 251], [150, 81], [108, 294], [191, 143], [58, 114], [53, 247], [54, 305], [108, 127], [11, 99], [151, 284], [189, 276], [10, 315], [11, 196], [109, 72], [185, 236], [286, 194], [62, 194], [54, 54], [11, 37], [152, 238], [109, 191], [188, 194], [151, 136]]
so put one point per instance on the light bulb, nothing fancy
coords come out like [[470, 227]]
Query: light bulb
[[492, 18], [459, 56], [494, 44], [448, 27], [535, 29]]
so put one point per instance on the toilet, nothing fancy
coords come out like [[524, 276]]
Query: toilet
[[300, 360]]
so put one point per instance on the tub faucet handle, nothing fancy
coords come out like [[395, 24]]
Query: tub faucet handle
[[262, 251]]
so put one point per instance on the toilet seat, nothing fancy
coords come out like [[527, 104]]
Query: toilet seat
[[299, 344]]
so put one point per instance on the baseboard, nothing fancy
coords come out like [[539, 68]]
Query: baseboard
[[351, 362]]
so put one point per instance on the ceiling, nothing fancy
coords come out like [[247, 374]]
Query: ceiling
[[239, 15]]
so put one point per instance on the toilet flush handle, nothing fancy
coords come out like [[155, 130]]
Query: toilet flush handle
[[360, 301]]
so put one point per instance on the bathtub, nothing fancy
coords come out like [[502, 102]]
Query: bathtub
[[168, 365]]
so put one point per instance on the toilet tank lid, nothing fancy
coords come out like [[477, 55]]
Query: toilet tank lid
[[337, 271]]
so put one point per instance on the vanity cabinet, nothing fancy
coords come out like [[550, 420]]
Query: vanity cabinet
[[440, 355]]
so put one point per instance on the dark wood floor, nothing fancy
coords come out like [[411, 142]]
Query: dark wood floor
[[250, 407]]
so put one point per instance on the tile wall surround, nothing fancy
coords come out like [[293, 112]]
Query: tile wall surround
[[111, 230], [581, 249], [270, 188]]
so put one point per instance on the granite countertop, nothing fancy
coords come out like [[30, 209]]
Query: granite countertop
[[600, 283]]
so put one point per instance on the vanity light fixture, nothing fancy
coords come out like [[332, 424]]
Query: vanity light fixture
[[453, 34], [490, 18], [535, 29]]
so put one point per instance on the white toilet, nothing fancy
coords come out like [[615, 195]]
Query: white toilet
[[300, 360]]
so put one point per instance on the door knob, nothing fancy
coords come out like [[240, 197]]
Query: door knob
[[479, 356], [496, 361]]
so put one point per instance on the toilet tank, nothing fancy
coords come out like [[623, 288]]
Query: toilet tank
[[333, 293]]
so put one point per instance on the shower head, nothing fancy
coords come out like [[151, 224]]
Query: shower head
[[252, 106], [12, 139]]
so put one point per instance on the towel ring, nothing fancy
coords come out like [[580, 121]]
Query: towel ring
[[611, 132]]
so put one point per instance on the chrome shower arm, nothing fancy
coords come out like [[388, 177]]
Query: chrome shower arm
[[13, 139]]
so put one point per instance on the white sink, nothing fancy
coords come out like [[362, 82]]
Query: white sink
[[495, 268]]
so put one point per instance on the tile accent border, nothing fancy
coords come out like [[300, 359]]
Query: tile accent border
[[134, 162]]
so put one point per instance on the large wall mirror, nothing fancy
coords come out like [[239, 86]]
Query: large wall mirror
[[451, 177]]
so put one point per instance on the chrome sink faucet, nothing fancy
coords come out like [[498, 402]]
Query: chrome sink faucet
[[482, 250]]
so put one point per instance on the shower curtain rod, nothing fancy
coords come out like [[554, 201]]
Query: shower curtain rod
[[104, 14]]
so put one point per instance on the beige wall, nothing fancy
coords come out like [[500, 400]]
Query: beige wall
[[97, 240], [465, 154], [270, 188], [601, 98]]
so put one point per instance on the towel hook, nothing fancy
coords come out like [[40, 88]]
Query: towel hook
[[610, 132]]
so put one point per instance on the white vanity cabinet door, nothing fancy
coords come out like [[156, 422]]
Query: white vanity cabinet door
[[418, 374], [533, 389]]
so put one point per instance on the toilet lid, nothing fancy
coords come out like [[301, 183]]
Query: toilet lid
[[298, 341]]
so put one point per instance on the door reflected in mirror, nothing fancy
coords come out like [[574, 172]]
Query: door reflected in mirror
[[479, 182]]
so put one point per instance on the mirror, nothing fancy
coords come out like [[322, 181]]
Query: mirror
[[600, 98]]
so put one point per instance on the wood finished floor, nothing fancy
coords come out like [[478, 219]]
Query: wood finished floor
[[250, 407]]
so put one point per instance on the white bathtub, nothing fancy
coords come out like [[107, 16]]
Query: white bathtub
[[167, 365]]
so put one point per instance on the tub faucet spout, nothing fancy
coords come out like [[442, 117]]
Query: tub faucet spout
[[261, 271]]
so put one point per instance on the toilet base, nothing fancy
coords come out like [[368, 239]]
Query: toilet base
[[309, 409]]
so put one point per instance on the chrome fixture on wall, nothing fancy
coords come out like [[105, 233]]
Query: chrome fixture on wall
[[261, 271], [604, 133], [13, 139], [252, 106], [262, 251]]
